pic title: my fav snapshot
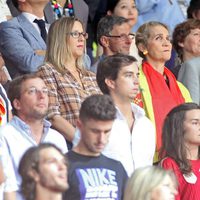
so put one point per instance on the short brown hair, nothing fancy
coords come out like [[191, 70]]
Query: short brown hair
[[181, 31], [15, 86]]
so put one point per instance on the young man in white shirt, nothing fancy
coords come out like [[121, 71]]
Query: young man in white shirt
[[132, 139]]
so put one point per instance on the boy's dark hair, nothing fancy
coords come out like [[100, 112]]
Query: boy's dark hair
[[98, 107], [15, 86], [109, 67]]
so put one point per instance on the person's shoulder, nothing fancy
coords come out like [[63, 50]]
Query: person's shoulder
[[184, 92], [14, 22], [140, 114], [90, 73], [168, 163], [70, 154], [46, 66], [114, 165], [53, 133], [8, 130], [111, 161], [192, 63], [77, 159]]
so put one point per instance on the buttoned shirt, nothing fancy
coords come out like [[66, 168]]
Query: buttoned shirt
[[65, 93], [134, 148], [15, 139]]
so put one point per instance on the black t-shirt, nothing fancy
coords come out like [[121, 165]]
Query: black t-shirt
[[94, 178]]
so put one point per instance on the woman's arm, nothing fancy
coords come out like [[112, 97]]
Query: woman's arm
[[63, 126]]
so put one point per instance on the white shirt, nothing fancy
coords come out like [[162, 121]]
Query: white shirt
[[134, 149], [4, 11], [15, 139]]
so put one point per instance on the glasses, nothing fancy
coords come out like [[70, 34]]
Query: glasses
[[77, 34], [123, 36], [34, 91]]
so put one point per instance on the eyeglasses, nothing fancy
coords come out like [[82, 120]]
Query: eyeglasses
[[77, 34], [33, 91], [123, 36]]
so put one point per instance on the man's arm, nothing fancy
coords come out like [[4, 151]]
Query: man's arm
[[18, 47], [10, 183]]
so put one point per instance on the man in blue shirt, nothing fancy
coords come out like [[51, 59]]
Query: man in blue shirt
[[29, 98]]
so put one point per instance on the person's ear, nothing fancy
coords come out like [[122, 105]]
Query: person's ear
[[104, 41], [194, 14], [110, 83], [79, 123], [181, 44], [33, 174], [16, 104], [141, 47], [109, 12]]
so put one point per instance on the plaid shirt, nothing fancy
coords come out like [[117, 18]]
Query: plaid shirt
[[65, 93]]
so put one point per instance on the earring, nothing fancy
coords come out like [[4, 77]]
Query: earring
[[145, 52]]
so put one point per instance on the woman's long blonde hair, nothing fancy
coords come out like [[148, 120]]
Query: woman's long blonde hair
[[141, 184], [58, 49]]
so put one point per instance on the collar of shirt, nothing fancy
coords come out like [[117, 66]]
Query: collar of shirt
[[138, 112], [21, 125], [31, 18]]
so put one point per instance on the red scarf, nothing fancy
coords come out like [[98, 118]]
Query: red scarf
[[164, 97]]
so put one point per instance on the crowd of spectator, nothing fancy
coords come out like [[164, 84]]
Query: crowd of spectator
[[99, 99]]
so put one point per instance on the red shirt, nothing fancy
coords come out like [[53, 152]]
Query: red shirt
[[189, 187]]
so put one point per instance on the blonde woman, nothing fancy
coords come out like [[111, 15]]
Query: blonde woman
[[151, 183], [64, 74]]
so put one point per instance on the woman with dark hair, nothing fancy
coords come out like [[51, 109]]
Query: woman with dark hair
[[186, 41], [181, 148], [160, 91], [193, 10]]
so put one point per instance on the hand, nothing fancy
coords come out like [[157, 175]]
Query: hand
[[8, 17], [3, 76], [1, 62], [40, 52]]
